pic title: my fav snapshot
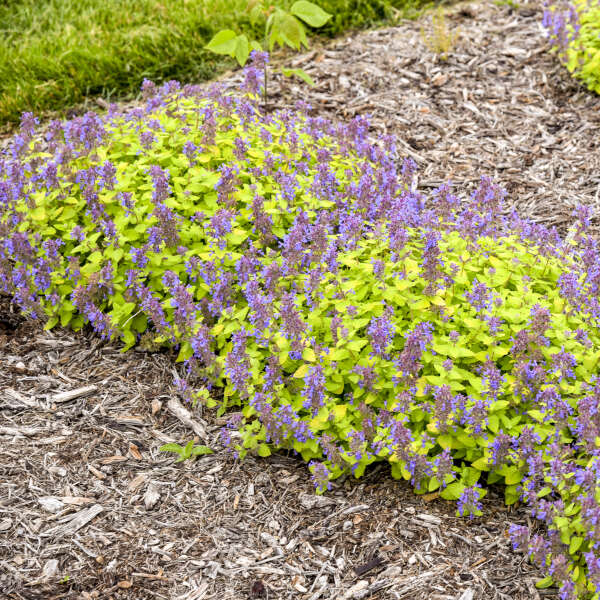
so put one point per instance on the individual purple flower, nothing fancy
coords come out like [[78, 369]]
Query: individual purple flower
[[520, 536], [182, 301], [378, 269], [147, 139], [368, 377], [432, 263], [563, 364], [468, 503], [494, 325], [337, 328], [501, 449], [320, 475], [221, 224], [237, 364], [492, 380], [314, 389], [261, 306], [77, 233], [445, 407], [409, 168], [153, 309], [28, 124], [444, 467], [160, 182], [139, 256], [381, 332], [416, 341], [293, 327], [190, 150], [480, 297]]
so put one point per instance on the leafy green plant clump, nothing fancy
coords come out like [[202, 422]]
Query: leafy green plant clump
[[341, 314], [574, 32]]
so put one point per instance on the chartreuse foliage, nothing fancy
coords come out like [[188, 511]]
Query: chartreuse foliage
[[574, 30], [584, 54], [343, 316]]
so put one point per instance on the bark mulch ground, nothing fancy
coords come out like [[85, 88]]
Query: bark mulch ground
[[89, 507]]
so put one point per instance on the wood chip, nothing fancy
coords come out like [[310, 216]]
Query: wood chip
[[310, 501], [152, 496], [111, 460], [375, 562], [99, 474], [133, 450], [21, 398], [136, 483], [184, 415], [74, 522], [51, 504], [133, 420], [74, 394], [22, 430]]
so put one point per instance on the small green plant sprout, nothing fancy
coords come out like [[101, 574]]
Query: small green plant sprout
[[440, 39], [187, 451], [281, 27]]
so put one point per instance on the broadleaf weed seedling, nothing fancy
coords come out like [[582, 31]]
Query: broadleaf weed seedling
[[282, 28], [190, 450]]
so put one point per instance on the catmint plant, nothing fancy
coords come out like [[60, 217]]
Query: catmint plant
[[345, 316]]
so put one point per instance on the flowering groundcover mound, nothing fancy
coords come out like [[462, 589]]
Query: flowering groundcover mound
[[297, 271]]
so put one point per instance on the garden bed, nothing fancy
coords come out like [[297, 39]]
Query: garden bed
[[499, 106]]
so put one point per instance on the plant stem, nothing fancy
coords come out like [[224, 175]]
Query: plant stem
[[265, 87]]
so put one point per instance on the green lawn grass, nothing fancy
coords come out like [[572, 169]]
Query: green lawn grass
[[56, 53]]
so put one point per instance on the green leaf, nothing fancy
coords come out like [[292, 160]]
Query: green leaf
[[187, 451], [289, 29], [171, 448], [310, 13], [575, 544], [185, 352], [470, 476], [264, 450], [50, 323], [298, 73], [301, 371], [481, 464], [452, 491], [544, 583], [224, 42], [256, 12], [201, 450], [242, 49], [513, 476]]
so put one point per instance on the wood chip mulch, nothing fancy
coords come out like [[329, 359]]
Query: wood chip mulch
[[89, 507]]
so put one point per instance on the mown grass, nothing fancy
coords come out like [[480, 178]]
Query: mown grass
[[56, 53]]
